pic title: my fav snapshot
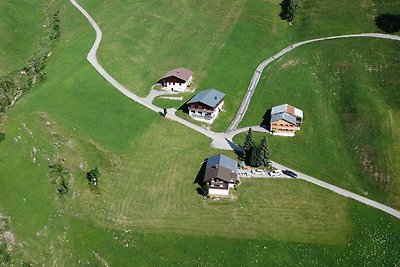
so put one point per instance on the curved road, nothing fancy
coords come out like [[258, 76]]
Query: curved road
[[257, 73], [223, 140]]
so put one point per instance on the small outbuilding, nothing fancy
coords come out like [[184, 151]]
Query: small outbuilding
[[206, 105], [177, 80], [220, 174], [285, 120]]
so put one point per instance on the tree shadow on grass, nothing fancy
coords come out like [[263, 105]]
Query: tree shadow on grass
[[388, 23], [238, 149]]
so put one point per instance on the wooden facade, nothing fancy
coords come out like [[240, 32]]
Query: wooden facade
[[283, 126], [200, 111]]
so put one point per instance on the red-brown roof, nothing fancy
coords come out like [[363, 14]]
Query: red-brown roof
[[181, 73], [290, 110]]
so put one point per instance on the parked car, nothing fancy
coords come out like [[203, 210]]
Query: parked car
[[257, 171], [275, 173], [290, 173], [244, 174]]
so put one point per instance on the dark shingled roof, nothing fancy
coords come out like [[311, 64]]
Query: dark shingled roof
[[180, 73], [222, 167], [210, 97], [220, 172]]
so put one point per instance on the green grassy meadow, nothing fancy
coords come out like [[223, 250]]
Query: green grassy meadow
[[348, 92], [325, 18], [146, 211], [20, 31]]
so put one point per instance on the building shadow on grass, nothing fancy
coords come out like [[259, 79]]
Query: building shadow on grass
[[184, 107], [200, 179], [388, 23], [200, 175], [266, 120]]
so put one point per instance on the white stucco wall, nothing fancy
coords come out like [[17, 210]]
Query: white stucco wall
[[202, 117], [178, 87], [218, 192]]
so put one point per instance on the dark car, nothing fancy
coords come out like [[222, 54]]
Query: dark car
[[290, 173]]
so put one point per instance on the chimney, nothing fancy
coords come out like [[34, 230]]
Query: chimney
[[215, 97]]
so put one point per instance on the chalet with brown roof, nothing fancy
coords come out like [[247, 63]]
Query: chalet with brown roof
[[220, 175], [177, 80], [285, 120]]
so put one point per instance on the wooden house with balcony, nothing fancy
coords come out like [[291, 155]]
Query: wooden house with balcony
[[220, 175], [206, 105], [285, 120]]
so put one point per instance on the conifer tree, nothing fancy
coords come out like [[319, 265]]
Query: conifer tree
[[248, 146], [263, 153], [254, 159]]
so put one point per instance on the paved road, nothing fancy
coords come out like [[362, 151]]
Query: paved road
[[219, 141], [223, 140], [341, 191], [257, 73]]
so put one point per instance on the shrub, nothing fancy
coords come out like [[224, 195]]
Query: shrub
[[93, 176]]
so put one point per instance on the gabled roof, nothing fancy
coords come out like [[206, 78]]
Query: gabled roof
[[220, 172], [222, 160], [180, 73], [222, 167], [284, 116], [210, 97], [289, 109]]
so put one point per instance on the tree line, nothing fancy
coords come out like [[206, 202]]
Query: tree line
[[255, 155]]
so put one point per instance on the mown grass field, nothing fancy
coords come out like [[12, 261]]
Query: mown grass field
[[324, 18], [348, 91], [142, 40], [20, 31], [147, 211]]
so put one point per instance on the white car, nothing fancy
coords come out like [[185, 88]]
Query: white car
[[275, 173], [257, 171]]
